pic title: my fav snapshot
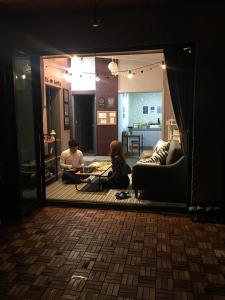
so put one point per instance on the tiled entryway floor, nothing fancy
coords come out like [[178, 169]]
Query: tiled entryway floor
[[79, 253]]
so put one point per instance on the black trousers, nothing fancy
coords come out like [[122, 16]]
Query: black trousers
[[116, 182], [70, 177]]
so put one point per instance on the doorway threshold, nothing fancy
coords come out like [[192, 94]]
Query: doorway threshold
[[59, 193]]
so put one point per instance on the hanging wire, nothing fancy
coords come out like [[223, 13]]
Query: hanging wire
[[150, 66]]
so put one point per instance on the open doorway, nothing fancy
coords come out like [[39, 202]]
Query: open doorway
[[98, 114], [84, 122]]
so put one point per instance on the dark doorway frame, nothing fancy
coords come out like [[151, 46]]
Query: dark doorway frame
[[10, 128], [85, 120], [11, 172]]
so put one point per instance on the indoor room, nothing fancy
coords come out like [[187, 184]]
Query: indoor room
[[97, 99]]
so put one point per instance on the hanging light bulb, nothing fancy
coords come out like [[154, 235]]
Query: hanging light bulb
[[163, 65], [97, 78], [130, 75], [67, 76], [113, 67]]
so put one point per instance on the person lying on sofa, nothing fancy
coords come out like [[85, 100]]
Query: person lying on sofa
[[118, 177], [71, 160]]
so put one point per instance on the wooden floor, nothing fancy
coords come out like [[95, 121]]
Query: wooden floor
[[89, 254], [60, 192]]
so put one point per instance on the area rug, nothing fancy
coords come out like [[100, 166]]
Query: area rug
[[92, 187]]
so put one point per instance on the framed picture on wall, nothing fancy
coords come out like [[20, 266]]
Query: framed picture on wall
[[145, 109], [111, 102], [66, 109], [101, 102]]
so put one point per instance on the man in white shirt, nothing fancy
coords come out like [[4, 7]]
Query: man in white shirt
[[71, 160]]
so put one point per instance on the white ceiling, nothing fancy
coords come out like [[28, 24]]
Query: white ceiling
[[137, 58]]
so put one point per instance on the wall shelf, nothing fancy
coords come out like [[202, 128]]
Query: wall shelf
[[51, 158], [173, 130]]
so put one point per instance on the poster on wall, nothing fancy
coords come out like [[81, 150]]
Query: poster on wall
[[159, 109], [106, 117], [152, 109], [110, 102], [145, 109], [66, 109]]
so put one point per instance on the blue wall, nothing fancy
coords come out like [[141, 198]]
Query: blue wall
[[149, 100], [130, 109]]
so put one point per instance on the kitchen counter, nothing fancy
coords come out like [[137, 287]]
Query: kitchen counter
[[147, 129], [150, 136]]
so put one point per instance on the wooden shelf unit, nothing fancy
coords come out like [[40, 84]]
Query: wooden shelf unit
[[173, 130], [51, 158]]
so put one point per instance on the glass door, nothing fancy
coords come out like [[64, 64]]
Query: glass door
[[29, 136]]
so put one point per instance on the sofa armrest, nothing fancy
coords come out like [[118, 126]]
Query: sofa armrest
[[156, 177]]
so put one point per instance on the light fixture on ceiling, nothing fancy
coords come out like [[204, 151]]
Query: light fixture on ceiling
[[130, 74], [113, 68], [95, 22], [187, 50], [163, 65], [97, 78]]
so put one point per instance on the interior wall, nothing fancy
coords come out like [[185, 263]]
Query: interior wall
[[148, 81], [168, 112], [53, 76], [106, 88], [123, 113], [136, 103], [83, 74]]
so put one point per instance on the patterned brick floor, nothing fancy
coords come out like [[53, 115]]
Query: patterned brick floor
[[78, 253]]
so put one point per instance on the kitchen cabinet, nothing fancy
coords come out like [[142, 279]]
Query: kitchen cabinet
[[150, 136]]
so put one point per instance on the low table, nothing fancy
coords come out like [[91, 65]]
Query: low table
[[97, 169]]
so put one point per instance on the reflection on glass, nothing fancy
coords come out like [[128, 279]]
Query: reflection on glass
[[25, 127]]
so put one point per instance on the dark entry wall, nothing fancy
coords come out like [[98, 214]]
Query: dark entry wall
[[143, 28], [84, 121], [106, 88]]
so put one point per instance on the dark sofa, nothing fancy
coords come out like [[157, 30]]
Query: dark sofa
[[163, 182]]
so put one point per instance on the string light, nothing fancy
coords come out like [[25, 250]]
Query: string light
[[114, 71], [97, 78], [163, 66], [130, 75], [113, 67]]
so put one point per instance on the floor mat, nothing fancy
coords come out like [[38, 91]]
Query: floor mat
[[92, 187]]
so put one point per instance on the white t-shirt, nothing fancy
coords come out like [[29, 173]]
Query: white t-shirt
[[69, 160]]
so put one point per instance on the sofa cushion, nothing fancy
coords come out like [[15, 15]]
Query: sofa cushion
[[146, 154], [174, 152], [156, 158], [161, 145], [160, 152]]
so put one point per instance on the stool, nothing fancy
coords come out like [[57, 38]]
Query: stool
[[135, 146]]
